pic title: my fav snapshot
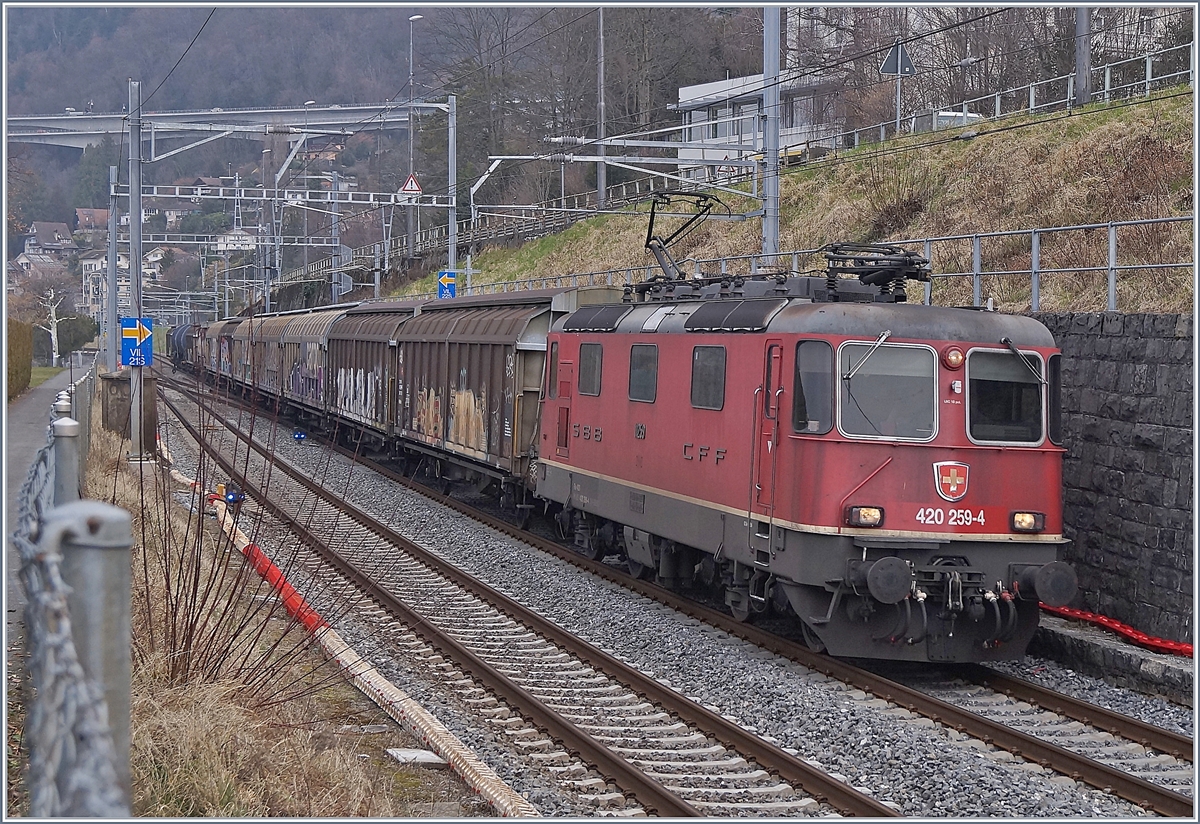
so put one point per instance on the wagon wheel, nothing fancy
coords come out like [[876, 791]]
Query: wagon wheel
[[638, 570], [523, 517], [811, 639]]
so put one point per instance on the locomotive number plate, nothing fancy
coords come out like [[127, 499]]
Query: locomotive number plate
[[951, 517]]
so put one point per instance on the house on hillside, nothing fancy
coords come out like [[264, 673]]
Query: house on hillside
[[49, 238], [91, 220], [236, 240], [152, 261], [39, 264]]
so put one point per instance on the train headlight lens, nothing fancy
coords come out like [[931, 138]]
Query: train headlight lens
[[864, 516], [953, 357], [1028, 521]]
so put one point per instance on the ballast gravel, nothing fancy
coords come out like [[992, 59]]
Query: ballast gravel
[[920, 768]]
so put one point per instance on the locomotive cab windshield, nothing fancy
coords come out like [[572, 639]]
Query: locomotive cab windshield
[[889, 394], [1004, 397]]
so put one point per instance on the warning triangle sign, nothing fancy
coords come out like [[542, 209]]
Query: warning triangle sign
[[411, 186], [898, 62]]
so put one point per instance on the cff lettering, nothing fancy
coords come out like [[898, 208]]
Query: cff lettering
[[691, 452]]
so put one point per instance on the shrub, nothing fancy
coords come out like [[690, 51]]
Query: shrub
[[20, 356]]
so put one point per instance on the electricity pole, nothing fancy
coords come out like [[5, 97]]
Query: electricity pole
[[410, 210], [110, 277], [1083, 56], [601, 168], [771, 131], [137, 451]]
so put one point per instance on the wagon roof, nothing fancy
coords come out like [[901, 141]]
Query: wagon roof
[[224, 327], [472, 324], [377, 307], [312, 327], [376, 326]]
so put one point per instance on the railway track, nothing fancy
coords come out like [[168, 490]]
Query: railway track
[[967, 716], [576, 707], [1149, 753]]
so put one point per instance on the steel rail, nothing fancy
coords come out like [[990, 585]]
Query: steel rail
[[648, 791], [1133, 729], [816, 783], [1064, 761], [1059, 759]]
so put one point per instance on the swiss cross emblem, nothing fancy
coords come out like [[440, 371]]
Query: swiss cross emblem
[[950, 477]]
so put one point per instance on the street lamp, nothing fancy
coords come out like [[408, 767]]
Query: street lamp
[[411, 233]]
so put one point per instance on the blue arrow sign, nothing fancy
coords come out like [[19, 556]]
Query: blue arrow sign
[[447, 284], [137, 341]]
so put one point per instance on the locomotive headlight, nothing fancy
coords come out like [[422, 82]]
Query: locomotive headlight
[[864, 515], [953, 357], [1028, 521]]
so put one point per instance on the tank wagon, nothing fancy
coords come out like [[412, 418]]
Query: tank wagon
[[888, 472]]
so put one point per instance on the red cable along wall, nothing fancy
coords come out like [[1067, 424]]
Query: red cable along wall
[[1124, 630]]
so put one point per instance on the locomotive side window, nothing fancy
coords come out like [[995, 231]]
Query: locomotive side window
[[552, 389], [1054, 393], [813, 409], [1004, 397], [891, 391], [643, 372], [591, 357], [708, 377]]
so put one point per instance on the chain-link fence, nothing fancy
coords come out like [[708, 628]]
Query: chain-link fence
[[73, 766]]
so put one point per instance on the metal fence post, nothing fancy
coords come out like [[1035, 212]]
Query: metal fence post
[[1035, 265], [928, 252], [976, 270], [1112, 268], [62, 405], [66, 460], [1149, 72], [96, 542]]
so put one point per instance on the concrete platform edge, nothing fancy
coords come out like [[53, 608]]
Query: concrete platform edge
[[1093, 651]]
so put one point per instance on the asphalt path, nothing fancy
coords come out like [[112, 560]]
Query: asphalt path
[[26, 425]]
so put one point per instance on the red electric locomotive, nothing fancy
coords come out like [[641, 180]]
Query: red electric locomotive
[[889, 472]]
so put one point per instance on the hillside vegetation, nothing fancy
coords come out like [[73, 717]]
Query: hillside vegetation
[[1128, 161]]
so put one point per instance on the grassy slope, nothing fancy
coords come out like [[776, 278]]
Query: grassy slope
[[1100, 164]]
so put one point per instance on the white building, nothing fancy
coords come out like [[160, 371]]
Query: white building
[[726, 114]]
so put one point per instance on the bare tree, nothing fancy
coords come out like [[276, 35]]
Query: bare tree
[[51, 305]]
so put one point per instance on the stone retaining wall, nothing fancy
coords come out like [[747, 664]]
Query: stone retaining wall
[[1127, 476]]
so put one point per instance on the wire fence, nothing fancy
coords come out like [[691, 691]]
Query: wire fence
[[955, 257], [72, 762]]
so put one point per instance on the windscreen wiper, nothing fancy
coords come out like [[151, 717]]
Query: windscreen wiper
[[1012, 347], [878, 342]]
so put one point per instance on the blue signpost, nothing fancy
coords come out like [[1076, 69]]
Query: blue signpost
[[447, 287], [137, 341]]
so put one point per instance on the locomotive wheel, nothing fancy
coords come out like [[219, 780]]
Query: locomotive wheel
[[596, 552], [811, 639], [741, 611]]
